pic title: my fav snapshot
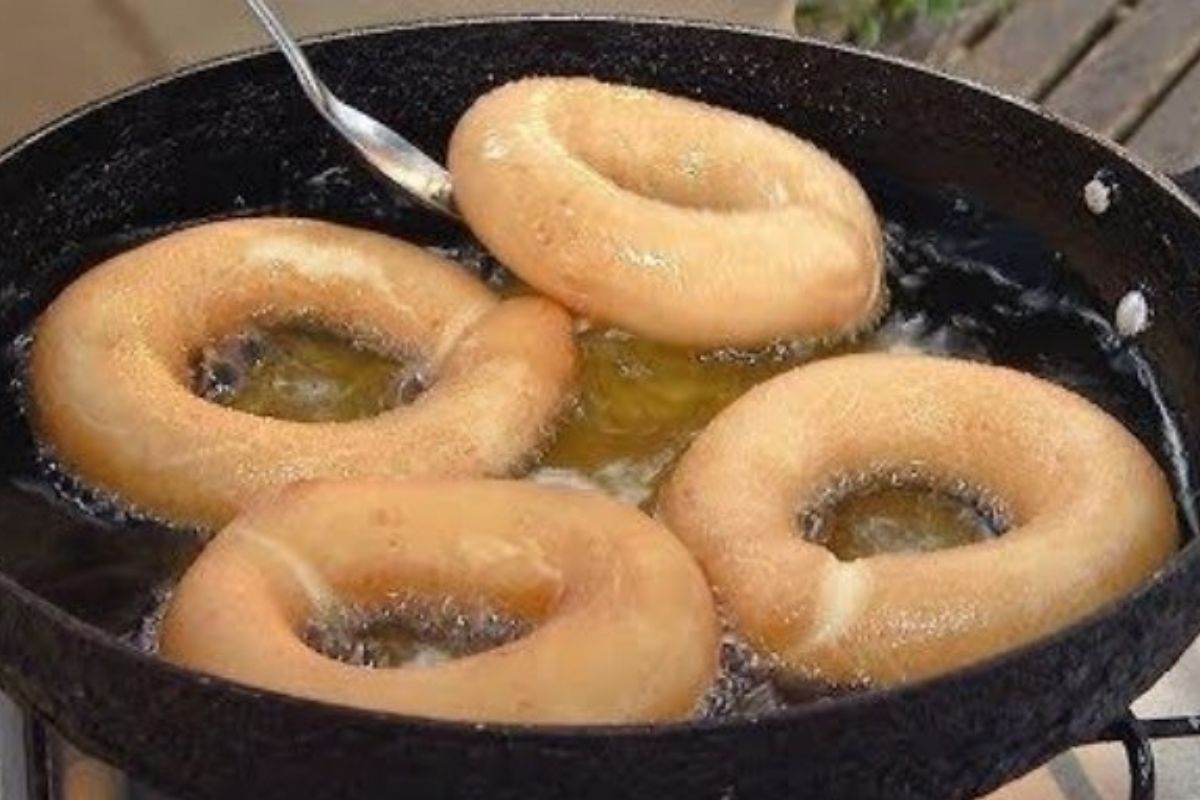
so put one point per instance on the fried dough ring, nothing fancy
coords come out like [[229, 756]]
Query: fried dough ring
[[1092, 515], [113, 360], [625, 626], [673, 219]]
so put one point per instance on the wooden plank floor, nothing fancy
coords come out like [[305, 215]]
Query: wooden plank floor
[[1128, 69]]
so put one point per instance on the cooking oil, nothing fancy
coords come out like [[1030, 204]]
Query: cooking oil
[[301, 371], [963, 282], [411, 632], [899, 512]]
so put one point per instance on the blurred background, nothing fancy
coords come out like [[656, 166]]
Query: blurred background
[[1129, 69], [58, 54]]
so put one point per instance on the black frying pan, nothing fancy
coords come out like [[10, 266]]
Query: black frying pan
[[238, 137]]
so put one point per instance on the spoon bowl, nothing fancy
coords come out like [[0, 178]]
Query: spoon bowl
[[390, 154]]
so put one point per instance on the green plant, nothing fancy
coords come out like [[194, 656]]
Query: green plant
[[866, 21]]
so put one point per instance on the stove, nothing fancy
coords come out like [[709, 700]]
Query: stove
[[1152, 755]]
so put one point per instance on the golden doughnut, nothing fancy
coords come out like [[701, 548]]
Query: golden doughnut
[[1091, 514], [625, 626], [113, 357], [670, 218]]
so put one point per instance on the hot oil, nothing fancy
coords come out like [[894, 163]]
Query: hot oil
[[301, 371], [963, 283], [901, 521], [639, 405], [410, 632], [899, 511]]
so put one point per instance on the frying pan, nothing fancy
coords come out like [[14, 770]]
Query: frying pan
[[237, 137]]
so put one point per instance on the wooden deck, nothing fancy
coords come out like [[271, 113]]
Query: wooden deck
[[1128, 69]]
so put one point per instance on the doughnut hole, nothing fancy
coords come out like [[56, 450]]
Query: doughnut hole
[[303, 371], [876, 513], [412, 631], [659, 151]]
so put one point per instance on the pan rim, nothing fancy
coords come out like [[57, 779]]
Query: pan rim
[[530, 733], [810, 712], [1161, 178]]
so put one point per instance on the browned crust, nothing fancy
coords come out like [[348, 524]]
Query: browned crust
[[626, 630], [676, 220], [1093, 514], [111, 371]]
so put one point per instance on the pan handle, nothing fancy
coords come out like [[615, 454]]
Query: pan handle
[[1189, 181]]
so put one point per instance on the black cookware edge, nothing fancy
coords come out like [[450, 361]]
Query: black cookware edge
[[1135, 734]]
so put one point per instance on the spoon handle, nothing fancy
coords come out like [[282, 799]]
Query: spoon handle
[[309, 81], [388, 152]]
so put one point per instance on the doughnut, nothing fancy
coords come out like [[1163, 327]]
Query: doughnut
[[624, 625], [1090, 514], [113, 358], [676, 220]]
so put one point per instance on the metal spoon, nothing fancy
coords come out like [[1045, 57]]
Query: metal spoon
[[389, 153]]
